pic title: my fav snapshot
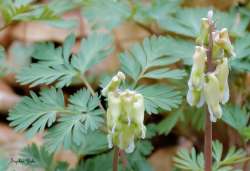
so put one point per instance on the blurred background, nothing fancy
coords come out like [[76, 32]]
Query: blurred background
[[179, 19]]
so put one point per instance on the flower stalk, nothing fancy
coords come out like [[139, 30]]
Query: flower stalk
[[208, 124], [208, 82]]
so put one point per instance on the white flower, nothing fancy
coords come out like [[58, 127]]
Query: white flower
[[196, 80], [138, 116], [197, 74], [195, 97], [125, 116], [212, 96], [222, 72], [113, 111]]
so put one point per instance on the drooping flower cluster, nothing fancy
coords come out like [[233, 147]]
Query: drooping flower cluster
[[210, 86], [125, 115]]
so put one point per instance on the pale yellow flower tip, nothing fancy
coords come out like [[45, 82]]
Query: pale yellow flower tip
[[114, 84], [204, 29], [224, 42]]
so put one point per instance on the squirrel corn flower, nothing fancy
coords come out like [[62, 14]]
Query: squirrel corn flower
[[222, 39], [195, 97], [210, 83], [195, 83], [222, 72], [212, 96], [197, 73], [125, 116]]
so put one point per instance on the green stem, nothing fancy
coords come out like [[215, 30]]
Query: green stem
[[116, 149], [139, 77], [85, 81]]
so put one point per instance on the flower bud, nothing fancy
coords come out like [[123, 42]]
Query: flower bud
[[212, 96], [114, 84], [222, 72], [222, 39], [202, 39]]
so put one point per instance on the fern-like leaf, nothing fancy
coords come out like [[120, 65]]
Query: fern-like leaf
[[35, 112], [159, 97], [144, 60], [71, 128], [55, 64]]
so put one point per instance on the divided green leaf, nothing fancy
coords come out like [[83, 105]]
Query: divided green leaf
[[56, 64], [158, 97], [37, 157], [238, 119], [149, 58], [35, 112], [112, 12], [241, 61], [186, 21], [85, 117], [192, 161]]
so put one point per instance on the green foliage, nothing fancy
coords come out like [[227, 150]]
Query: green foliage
[[194, 117], [242, 60], [38, 157], [137, 160], [186, 22], [145, 13], [158, 97], [167, 124], [112, 12], [56, 65], [232, 157], [34, 113], [26, 10], [79, 117], [91, 143], [103, 161], [186, 161], [140, 60], [3, 164], [85, 116], [237, 118], [195, 162], [21, 54], [75, 122]]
